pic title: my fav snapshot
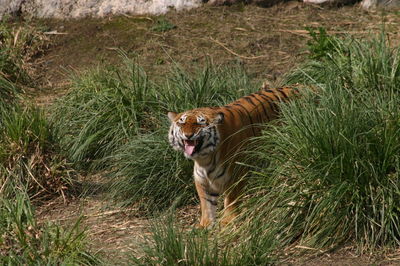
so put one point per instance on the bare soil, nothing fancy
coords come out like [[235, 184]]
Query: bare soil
[[268, 42]]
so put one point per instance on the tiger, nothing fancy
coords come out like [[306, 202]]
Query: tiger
[[213, 138]]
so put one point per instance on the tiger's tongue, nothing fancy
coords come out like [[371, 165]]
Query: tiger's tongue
[[189, 146]]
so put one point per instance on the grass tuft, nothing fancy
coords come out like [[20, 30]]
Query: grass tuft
[[18, 46], [28, 157], [148, 172], [171, 244], [334, 157], [105, 108], [24, 241], [162, 25]]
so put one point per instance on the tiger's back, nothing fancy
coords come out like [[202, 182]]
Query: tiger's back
[[213, 137], [244, 117]]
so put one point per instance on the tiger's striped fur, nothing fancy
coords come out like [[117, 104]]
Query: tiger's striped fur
[[213, 138]]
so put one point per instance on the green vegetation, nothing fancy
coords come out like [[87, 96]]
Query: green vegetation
[[105, 107], [24, 242], [170, 244], [31, 168], [321, 43], [17, 47], [28, 158], [330, 166], [334, 158], [162, 25]]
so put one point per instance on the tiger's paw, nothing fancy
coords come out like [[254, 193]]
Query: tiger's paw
[[228, 219], [205, 224]]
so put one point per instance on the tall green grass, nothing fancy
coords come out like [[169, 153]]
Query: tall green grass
[[207, 86], [29, 159], [151, 174], [334, 157], [104, 109], [8, 92], [25, 242], [172, 244]]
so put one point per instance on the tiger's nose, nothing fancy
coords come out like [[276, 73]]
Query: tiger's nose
[[189, 136]]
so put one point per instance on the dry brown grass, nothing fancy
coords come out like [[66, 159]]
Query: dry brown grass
[[267, 41]]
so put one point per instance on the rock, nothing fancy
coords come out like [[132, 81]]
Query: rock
[[331, 2], [10, 7], [369, 4], [366, 4], [64, 9]]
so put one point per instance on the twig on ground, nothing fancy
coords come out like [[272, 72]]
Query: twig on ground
[[16, 36], [234, 53], [54, 32], [305, 32]]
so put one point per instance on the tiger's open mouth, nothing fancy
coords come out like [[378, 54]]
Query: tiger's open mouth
[[192, 146]]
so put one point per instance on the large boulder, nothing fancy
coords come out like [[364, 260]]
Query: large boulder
[[99, 8], [10, 7], [94, 8], [368, 4]]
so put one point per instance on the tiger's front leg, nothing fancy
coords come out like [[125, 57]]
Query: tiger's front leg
[[208, 205], [232, 201]]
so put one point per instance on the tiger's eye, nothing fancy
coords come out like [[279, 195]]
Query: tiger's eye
[[201, 120]]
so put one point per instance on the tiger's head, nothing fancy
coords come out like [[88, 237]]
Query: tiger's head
[[195, 132]]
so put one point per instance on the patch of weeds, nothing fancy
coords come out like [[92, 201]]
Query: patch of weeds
[[334, 163], [162, 25], [28, 157], [148, 172], [105, 108], [18, 46], [171, 243], [321, 43], [24, 242]]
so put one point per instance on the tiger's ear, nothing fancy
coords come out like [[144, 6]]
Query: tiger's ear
[[172, 115], [219, 118]]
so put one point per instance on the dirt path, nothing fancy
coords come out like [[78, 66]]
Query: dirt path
[[111, 231]]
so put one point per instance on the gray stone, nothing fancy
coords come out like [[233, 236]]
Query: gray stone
[[369, 4], [91, 8], [10, 7]]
